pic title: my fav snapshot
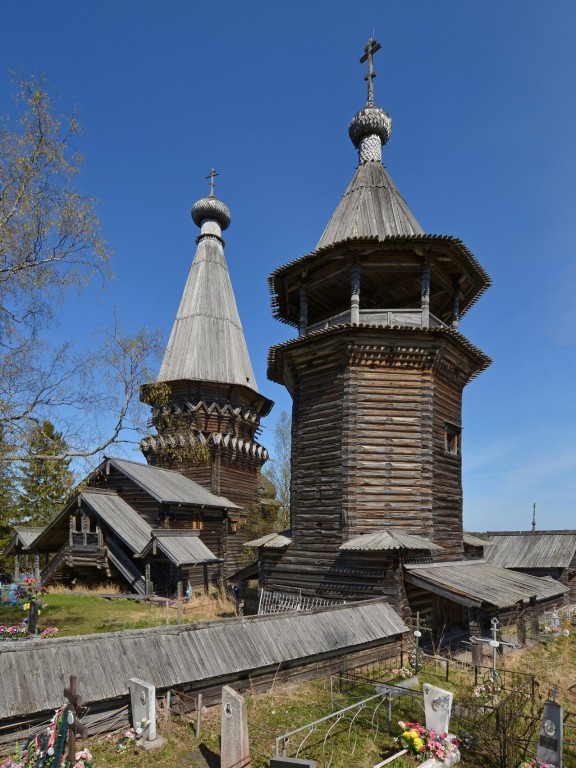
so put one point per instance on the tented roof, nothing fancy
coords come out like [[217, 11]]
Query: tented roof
[[207, 341], [371, 207], [390, 539]]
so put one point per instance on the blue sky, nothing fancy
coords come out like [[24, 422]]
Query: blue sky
[[483, 101]]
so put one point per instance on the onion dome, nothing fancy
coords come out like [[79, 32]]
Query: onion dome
[[211, 208], [370, 121]]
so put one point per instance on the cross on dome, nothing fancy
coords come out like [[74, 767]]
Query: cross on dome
[[369, 51], [211, 176]]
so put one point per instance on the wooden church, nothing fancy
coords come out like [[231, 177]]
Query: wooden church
[[376, 374], [178, 522]]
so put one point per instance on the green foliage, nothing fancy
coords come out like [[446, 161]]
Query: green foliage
[[45, 476], [50, 243]]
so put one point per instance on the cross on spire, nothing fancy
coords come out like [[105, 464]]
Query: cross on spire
[[211, 176], [369, 51]]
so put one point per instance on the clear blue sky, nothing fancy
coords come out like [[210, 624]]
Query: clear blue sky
[[483, 99]]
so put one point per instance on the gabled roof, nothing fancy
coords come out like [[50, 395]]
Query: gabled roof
[[475, 582], [182, 547], [207, 341], [390, 539], [110, 508], [272, 540], [533, 550], [119, 516], [371, 207], [168, 486], [22, 539]]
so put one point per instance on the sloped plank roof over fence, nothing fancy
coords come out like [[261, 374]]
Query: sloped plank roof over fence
[[33, 673]]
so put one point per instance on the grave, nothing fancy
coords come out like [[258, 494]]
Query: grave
[[551, 737], [234, 744], [438, 708], [143, 708]]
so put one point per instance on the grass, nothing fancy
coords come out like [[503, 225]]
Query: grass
[[75, 613]]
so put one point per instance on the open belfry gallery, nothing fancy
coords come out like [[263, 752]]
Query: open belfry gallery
[[376, 371]]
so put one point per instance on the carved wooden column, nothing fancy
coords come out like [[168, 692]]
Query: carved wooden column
[[355, 294], [17, 568], [303, 320], [520, 624], [37, 568], [425, 296], [456, 311], [72, 529]]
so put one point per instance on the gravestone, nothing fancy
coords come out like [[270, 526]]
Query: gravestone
[[550, 742], [288, 762], [438, 707], [234, 744], [143, 704]]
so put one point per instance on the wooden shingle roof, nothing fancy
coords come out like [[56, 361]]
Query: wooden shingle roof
[[371, 207], [182, 547], [551, 549], [168, 486], [391, 539], [22, 539], [475, 582], [207, 341]]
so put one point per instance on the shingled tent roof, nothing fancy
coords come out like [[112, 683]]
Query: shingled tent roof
[[207, 341], [371, 207]]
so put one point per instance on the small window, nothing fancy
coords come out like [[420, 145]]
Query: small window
[[452, 438]]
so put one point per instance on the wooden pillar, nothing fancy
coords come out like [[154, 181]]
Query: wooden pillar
[[475, 630], [303, 320], [17, 568], [205, 569], [456, 310], [85, 527], [425, 296], [148, 581], [534, 620], [520, 624], [37, 568], [355, 294], [72, 529]]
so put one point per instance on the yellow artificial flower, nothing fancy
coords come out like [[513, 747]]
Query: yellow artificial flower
[[26, 606]]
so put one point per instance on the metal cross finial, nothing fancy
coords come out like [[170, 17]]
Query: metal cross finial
[[369, 51], [211, 176], [534, 517], [554, 693]]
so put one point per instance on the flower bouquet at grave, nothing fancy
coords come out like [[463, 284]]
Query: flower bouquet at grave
[[425, 744], [554, 631], [31, 592], [13, 632], [47, 749], [402, 672], [534, 764]]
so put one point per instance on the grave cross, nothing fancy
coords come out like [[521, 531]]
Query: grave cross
[[76, 727], [417, 635], [494, 644], [369, 51]]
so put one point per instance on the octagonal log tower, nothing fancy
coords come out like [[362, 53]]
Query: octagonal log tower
[[376, 375]]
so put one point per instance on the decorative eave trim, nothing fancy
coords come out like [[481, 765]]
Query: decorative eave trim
[[157, 443], [483, 361]]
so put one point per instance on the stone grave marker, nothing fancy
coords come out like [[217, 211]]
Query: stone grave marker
[[438, 707], [234, 744], [143, 704], [551, 737]]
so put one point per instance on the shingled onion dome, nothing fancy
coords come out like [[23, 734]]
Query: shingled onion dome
[[211, 215], [369, 130]]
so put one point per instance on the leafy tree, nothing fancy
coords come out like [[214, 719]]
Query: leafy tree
[[50, 243], [279, 471], [7, 496], [44, 482]]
